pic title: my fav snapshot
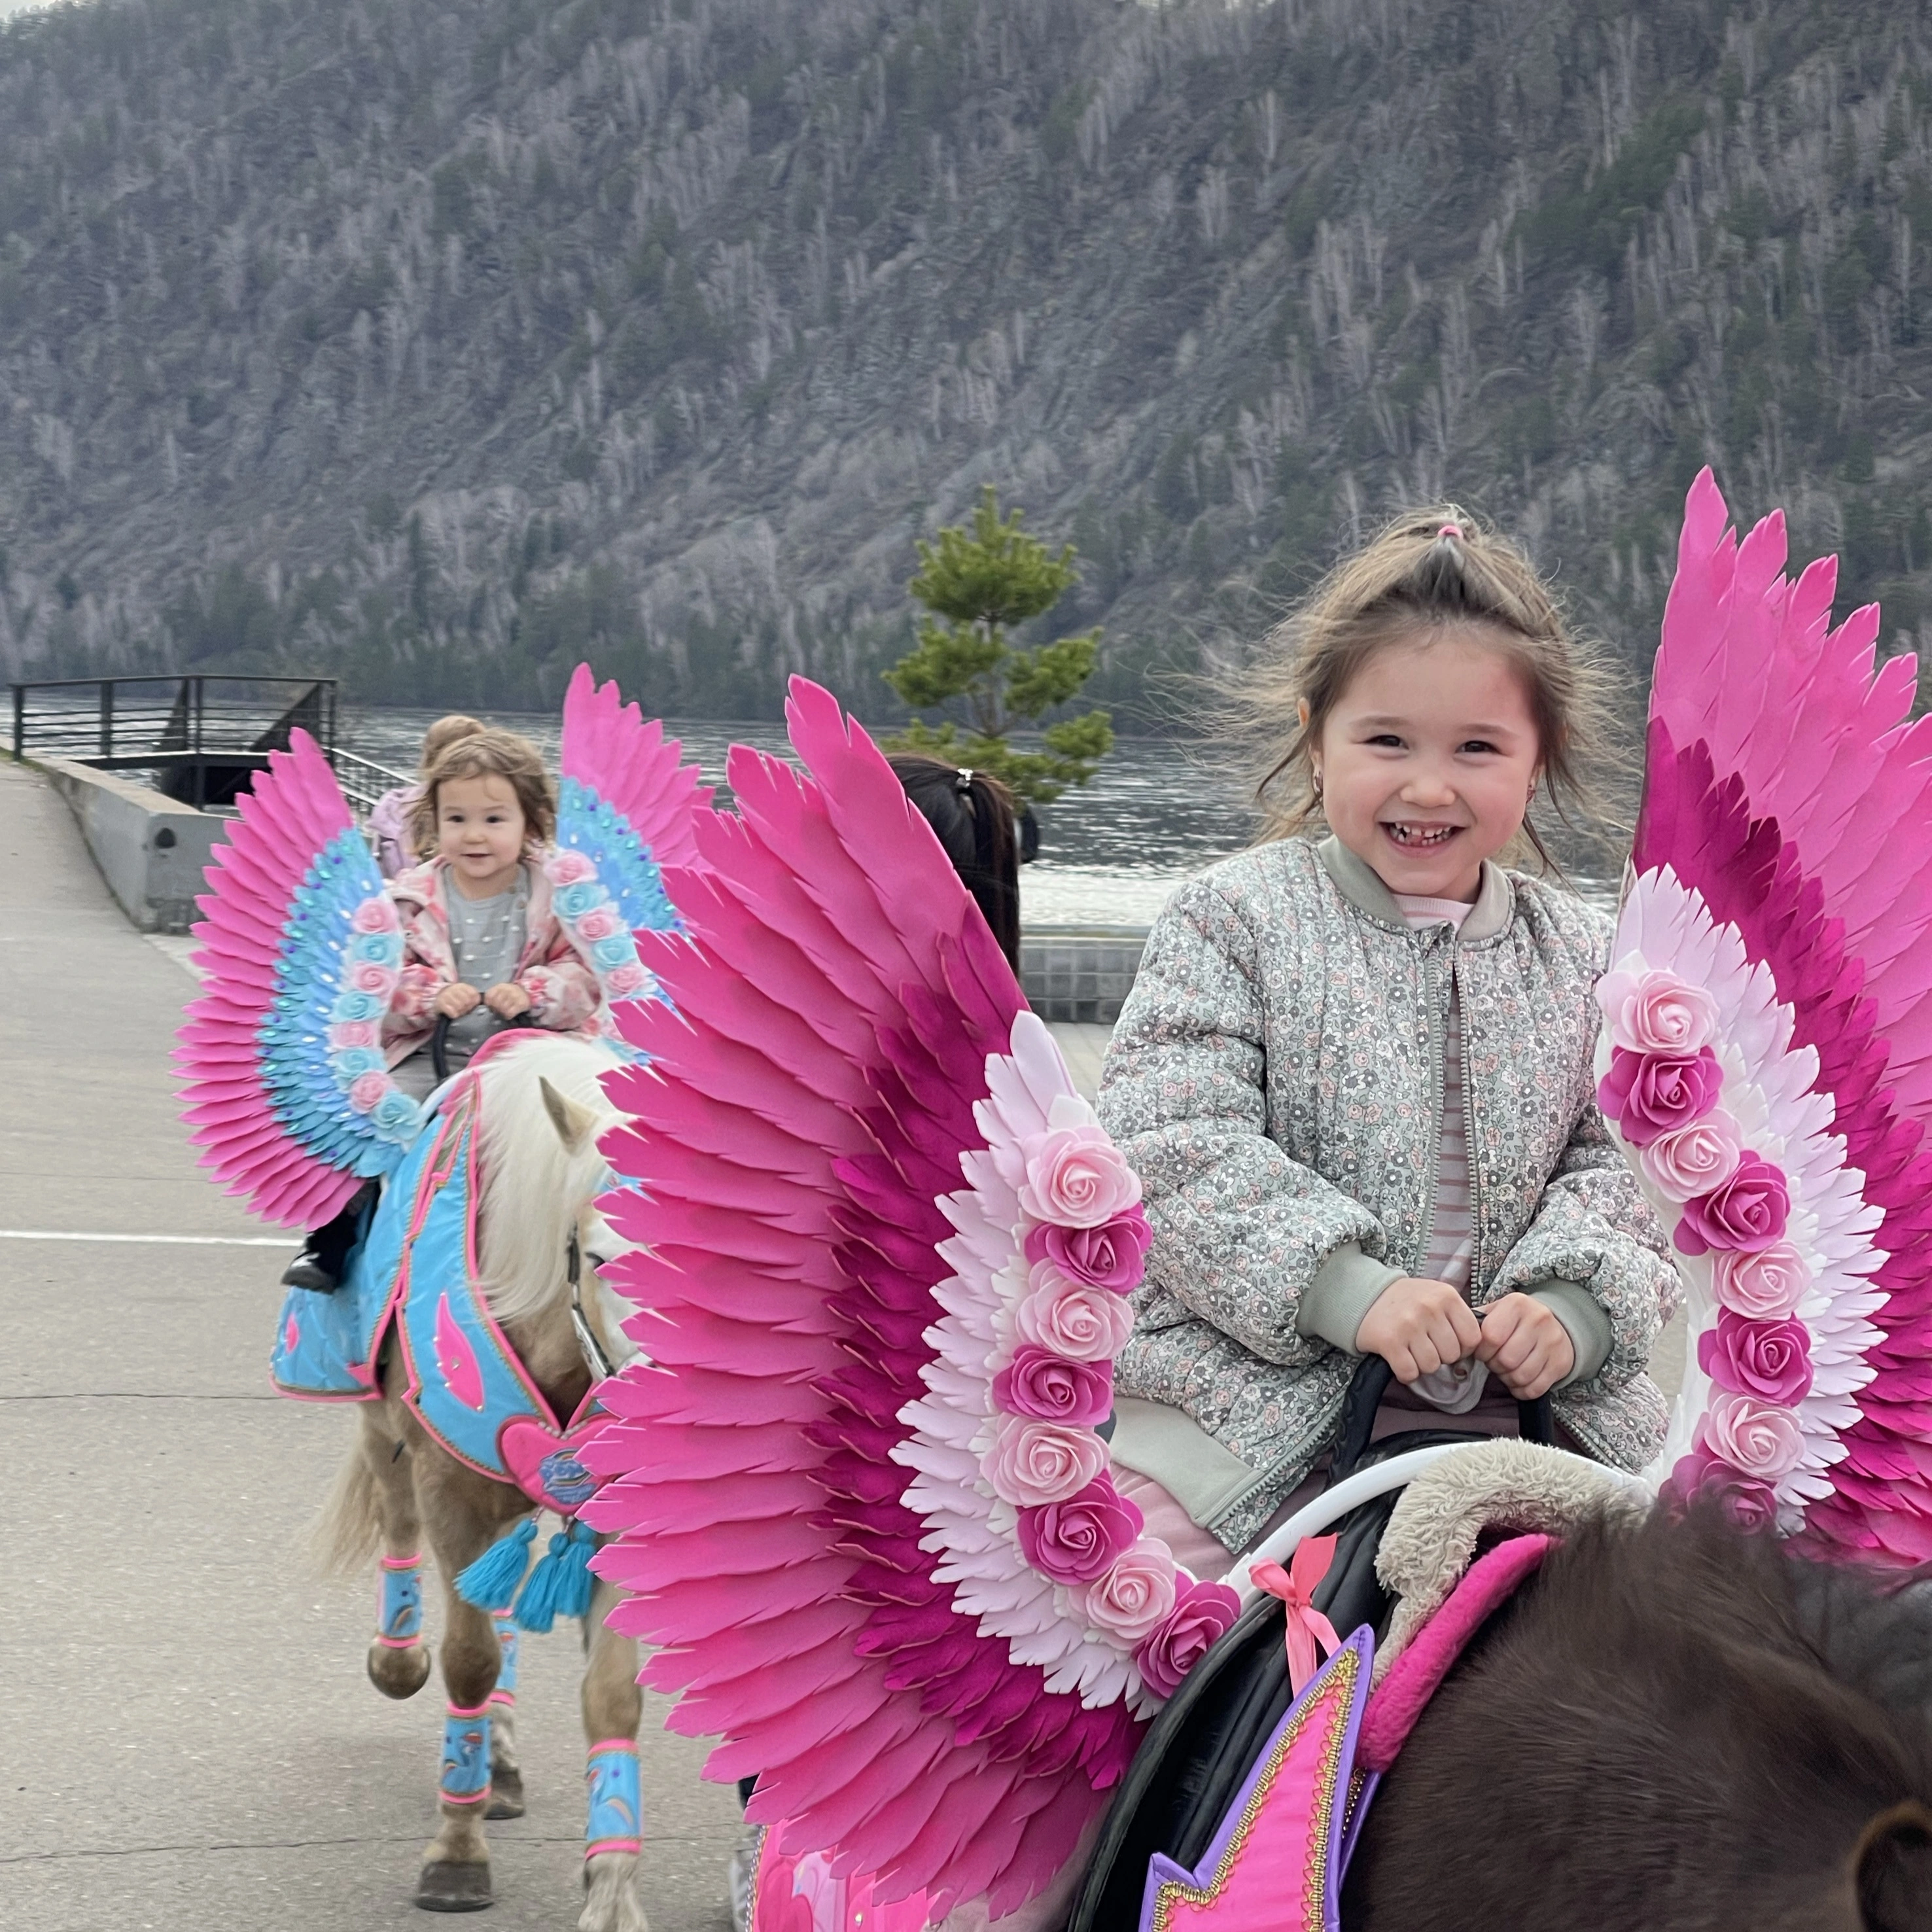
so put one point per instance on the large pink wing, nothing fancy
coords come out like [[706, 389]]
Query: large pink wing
[[300, 947], [1776, 1109], [801, 1499]]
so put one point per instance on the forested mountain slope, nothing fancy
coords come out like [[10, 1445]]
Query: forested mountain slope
[[440, 342]]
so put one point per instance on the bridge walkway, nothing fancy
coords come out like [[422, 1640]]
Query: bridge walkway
[[190, 1744]]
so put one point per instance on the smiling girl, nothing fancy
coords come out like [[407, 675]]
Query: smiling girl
[[482, 945], [1355, 1072]]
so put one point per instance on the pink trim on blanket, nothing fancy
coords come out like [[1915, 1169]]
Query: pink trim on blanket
[[1415, 1675]]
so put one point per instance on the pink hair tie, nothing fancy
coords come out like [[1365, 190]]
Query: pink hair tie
[[1450, 530]]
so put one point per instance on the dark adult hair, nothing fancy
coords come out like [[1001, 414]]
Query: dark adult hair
[[973, 815], [1429, 572]]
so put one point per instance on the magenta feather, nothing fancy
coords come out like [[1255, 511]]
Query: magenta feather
[[1787, 787], [809, 1097]]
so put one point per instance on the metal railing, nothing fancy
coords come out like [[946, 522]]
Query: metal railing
[[363, 780], [203, 737]]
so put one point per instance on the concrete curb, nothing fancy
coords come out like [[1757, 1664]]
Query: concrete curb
[[151, 849], [1080, 974]]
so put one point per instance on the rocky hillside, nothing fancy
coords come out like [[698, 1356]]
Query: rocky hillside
[[439, 341]]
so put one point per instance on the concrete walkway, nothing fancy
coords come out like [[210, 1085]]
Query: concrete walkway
[[190, 1744]]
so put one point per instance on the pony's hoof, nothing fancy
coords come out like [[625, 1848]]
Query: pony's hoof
[[506, 1794], [454, 1885], [398, 1673], [612, 1904]]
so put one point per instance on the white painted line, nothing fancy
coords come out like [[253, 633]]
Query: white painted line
[[177, 1241]]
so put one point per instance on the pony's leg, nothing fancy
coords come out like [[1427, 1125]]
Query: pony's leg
[[399, 1660], [506, 1776], [462, 1513], [612, 1705]]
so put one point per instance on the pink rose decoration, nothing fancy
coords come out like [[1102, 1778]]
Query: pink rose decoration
[[1758, 1438], [1747, 1211], [570, 868], [1693, 1160], [626, 979], [1135, 1594], [1073, 1319], [1765, 1285], [1076, 1177], [1075, 1541], [1203, 1612], [1113, 1254], [1770, 1360], [366, 1091], [345, 1034], [1653, 1011], [1038, 1383], [367, 978], [376, 915], [599, 922], [1648, 1094], [1033, 1463], [1750, 1502]]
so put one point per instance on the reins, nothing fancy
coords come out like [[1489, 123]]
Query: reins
[[594, 1359]]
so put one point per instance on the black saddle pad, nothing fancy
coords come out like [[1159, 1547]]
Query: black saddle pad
[[1202, 1745]]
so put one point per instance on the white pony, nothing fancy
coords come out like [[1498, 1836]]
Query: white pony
[[540, 1242]]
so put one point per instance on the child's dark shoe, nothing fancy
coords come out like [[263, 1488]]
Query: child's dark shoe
[[305, 1271]]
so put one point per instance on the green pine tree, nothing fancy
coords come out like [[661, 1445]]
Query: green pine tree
[[976, 585]]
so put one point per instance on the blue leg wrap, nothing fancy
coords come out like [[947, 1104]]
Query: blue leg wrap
[[466, 1756], [616, 1821], [511, 1638], [399, 1609]]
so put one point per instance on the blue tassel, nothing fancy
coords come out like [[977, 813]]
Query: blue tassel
[[560, 1585], [491, 1581]]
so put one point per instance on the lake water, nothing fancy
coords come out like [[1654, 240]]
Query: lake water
[[1111, 851]]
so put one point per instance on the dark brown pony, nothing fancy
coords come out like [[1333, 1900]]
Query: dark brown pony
[[1676, 1727]]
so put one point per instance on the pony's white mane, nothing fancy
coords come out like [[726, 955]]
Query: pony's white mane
[[533, 1189]]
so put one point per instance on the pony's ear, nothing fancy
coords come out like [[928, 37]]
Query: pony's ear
[[576, 1125], [1893, 1868]]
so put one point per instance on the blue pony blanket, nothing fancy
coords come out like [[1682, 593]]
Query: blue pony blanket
[[415, 1267]]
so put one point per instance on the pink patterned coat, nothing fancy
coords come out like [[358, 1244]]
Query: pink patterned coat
[[561, 981]]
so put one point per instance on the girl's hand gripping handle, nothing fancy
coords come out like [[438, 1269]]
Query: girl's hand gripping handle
[[1417, 1326]]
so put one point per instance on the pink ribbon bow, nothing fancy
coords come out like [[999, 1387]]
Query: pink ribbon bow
[[1295, 1586]]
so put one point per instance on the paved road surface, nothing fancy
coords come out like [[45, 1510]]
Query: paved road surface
[[190, 1744]]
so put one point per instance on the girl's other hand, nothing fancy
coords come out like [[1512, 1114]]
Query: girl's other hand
[[1417, 1326], [1525, 1345], [507, 1000], [454, 1001]]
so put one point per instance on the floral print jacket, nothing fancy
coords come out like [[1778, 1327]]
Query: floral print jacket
[[555, 968], [1276, 1080]]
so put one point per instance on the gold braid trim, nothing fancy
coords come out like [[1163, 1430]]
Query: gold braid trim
[[1331, 1706]]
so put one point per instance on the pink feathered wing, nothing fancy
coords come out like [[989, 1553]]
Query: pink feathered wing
[[1782, 871], [811, 1092], [631, 764], [297, 1163]]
